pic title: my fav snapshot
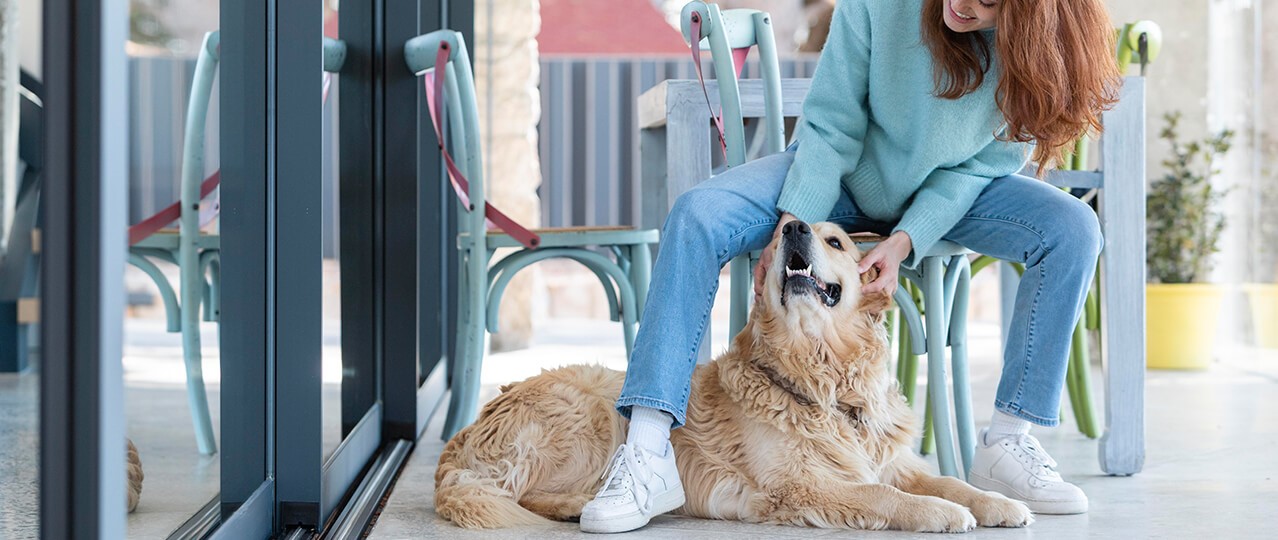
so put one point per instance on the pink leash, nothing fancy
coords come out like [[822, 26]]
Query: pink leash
[[738, 60], [461, 187]]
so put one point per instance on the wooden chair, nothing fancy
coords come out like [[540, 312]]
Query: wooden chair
[[442, 57]]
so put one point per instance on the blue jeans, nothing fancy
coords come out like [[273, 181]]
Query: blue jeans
[[1016, 218]]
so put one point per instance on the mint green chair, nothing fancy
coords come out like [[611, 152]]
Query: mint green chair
[[624, 275], [1078, 375], [730, 35], [944, 272], [1138, 42], [196, 253]]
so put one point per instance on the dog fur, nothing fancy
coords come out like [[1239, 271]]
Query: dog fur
[[797, 423]]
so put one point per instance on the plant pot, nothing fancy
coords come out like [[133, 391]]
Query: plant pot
[[1263, 298], [1180, 324]]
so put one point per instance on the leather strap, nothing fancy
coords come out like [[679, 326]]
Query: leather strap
[[170, 213], [147, 227], [434, 83], [738, 60]]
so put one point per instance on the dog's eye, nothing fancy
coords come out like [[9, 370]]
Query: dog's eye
[[834, 243]]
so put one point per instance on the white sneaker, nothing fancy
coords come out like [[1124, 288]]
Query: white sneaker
[[638, 485], [1018, 467]]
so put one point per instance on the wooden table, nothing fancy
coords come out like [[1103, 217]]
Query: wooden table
[[676, 141]]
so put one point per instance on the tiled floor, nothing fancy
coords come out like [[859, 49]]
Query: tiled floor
[[1210, 469]]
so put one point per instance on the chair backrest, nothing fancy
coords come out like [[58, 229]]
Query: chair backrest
[[461, 113], [197, 111], [195, 187], [188, 209], [737, 30], [423, 54]]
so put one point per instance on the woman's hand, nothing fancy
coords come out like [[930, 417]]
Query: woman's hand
[[765, 260], [886, 257]]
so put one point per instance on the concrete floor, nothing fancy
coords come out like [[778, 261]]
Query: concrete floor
[[178, 479], [1210, 468], [19, 454]]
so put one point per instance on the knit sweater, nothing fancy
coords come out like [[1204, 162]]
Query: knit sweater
[[872, 125]]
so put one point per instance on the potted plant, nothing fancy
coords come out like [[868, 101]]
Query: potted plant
[[1262, 295], [1184, 229]]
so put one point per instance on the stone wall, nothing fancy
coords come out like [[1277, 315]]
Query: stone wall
[[506, 78]]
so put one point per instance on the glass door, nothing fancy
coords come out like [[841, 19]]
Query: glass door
[[21, 182]]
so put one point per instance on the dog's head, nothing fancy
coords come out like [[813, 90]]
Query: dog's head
[[813, 290]]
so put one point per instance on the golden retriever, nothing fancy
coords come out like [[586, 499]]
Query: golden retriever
[[797, 423]]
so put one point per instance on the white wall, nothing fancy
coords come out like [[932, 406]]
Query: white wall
[[1219, 71]]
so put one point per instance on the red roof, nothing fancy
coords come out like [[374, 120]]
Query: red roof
[[606, 27]]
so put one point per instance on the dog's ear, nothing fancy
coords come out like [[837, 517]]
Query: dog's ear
[[875, 303]]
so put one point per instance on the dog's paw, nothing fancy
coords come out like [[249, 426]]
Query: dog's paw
[[996, 510], [933, 514]]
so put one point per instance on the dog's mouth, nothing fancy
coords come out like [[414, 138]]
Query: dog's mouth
[[800, 280]]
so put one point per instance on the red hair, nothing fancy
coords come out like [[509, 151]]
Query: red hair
[[1057, 68]]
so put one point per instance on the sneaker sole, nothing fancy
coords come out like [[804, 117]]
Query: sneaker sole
[[665, 502], [1037, 507]]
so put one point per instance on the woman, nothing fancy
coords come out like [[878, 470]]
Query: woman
[[920, 114]]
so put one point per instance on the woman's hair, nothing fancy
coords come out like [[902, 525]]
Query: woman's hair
[[1057, 68]]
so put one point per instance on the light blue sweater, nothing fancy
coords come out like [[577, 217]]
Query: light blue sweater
[[872, 125]]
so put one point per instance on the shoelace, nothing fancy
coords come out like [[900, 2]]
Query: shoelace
[[1036, 457], [622, 472]]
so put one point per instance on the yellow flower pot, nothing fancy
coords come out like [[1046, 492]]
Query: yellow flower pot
[[1180, 324], [1263, 298]]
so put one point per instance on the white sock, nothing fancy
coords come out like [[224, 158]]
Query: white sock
[[1003, 425], [649, 429]]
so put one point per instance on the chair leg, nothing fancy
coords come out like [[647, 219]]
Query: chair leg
[[1071, 384], [937, 388], [1079, 374], [464, 390], [909, 366], [459, 351], [894, 345], [629, 300], [197, 398], [928, 445], [629, 313], [958, 361], [1079, 364], [640, 276], [909, 362], [455, 419], [739, 270]]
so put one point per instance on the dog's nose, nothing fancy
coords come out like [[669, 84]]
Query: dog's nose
[[796, 228]]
